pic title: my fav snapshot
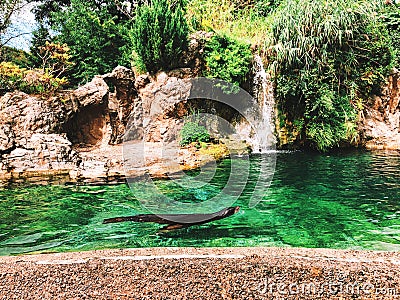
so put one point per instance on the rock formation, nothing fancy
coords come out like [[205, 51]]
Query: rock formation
[[44, 153], [86, 119], [29, 135], [22, 115], [37, 135], [121, 102], [80, 133], [380, 124]]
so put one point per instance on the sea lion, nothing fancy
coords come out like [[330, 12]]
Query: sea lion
[[177, 221]]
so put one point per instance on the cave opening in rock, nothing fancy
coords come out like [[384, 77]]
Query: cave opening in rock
[[88, 127]]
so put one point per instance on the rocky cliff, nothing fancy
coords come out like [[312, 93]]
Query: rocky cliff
[[80, 133], [37, 135], [380, 121]]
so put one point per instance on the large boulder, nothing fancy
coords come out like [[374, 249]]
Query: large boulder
[[21, 115], [162, 107], [150, 104], [94, 92], [193, 57], [34, 130]]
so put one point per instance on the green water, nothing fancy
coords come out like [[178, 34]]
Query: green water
[[346, 200]]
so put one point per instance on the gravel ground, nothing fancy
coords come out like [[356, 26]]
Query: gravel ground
[[203, 273]]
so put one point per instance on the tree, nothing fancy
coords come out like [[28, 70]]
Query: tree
[[41, 35], [97, 38], [392, 21], [159, 35], [46, 9], [55, 59], [15, 56]]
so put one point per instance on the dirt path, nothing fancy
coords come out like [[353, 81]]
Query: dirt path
[[206, 273]]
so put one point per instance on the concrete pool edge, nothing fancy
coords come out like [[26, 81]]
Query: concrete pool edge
[[345, 255], [203, 273]]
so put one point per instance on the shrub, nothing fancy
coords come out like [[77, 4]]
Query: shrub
[[55, 59], [12, 77], [192, 131], [16, 56], [330, 57], [41, 82], [159, 35], [229, 60]]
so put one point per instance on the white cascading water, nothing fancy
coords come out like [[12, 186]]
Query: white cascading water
[[264, 94]]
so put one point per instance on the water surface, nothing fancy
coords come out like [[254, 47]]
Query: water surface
[[344, 200]]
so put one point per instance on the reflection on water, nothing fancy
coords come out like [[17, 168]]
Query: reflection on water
[[346, 200]]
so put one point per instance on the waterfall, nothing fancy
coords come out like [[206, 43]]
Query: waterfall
[[264, 94]]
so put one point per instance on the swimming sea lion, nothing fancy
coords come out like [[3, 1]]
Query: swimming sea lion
[[177, 221]]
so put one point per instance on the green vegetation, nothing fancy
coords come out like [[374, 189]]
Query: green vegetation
[[330, 57], [192, 131], [98, 40], [392, 21], [40, 36], [15, 56], [34, 81], [159, 35], [229, 60], [44, 80], [266, 7], [10, 76], [242, 20]]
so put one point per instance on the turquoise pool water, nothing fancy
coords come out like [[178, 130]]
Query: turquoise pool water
[[345, 200]]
